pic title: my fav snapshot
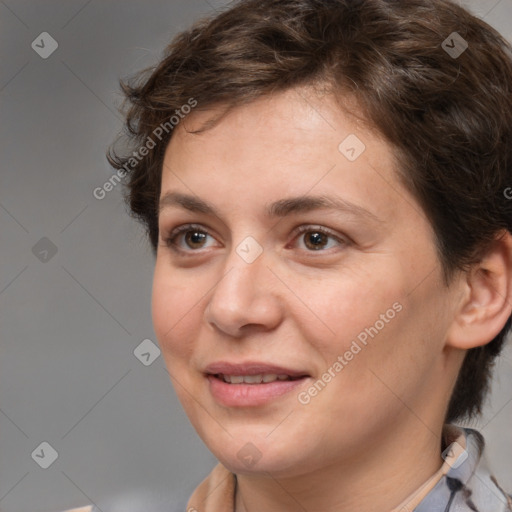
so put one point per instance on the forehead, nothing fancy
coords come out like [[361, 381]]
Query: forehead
[[288, 144], [310, 111]]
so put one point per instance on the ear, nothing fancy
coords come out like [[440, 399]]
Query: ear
[[487, 298]]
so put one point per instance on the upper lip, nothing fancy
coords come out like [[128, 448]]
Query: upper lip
[[251, 368]]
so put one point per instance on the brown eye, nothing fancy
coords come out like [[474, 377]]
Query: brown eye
[[318, 239], [195, 238], [188, 239], [315, 240]]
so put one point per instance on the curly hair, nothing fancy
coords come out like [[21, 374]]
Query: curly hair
[[447, 117]]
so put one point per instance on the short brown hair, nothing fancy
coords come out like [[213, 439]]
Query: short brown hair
[[447, 117]]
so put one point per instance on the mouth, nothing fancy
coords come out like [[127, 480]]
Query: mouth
[[251, 384], [255, 379]]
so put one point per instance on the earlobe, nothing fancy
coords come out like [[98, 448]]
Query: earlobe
[[487, 302]]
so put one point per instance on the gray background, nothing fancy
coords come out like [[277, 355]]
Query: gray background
[[70, 325]]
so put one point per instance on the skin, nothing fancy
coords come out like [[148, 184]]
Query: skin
[[358, 444]]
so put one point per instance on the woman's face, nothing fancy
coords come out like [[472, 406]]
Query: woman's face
[[347, 298]]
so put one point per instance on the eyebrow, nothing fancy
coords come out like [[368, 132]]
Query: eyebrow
[[281, 208]]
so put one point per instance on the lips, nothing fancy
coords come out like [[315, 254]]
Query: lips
[[260, 378], [253, 369], [252, 383]]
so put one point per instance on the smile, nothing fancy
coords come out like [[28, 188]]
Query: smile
[[253, 390], [253, 379]]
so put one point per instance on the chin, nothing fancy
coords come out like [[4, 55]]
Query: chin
[[247, 455]]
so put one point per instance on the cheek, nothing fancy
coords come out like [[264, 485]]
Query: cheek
[[345, 306], [371, 322], [390, 353], [174, 312]]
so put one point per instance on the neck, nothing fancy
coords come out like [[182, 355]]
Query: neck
[[382, 476]]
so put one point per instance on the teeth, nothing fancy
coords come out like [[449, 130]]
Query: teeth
[[253, 379]]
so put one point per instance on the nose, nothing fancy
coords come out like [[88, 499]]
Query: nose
[[246, 298]]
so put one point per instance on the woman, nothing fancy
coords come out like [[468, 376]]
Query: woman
[[324, 188]]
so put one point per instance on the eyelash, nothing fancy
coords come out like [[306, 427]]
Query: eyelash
[[175, 233]]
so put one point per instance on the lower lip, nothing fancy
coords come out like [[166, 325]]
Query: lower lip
[[245, 395]]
